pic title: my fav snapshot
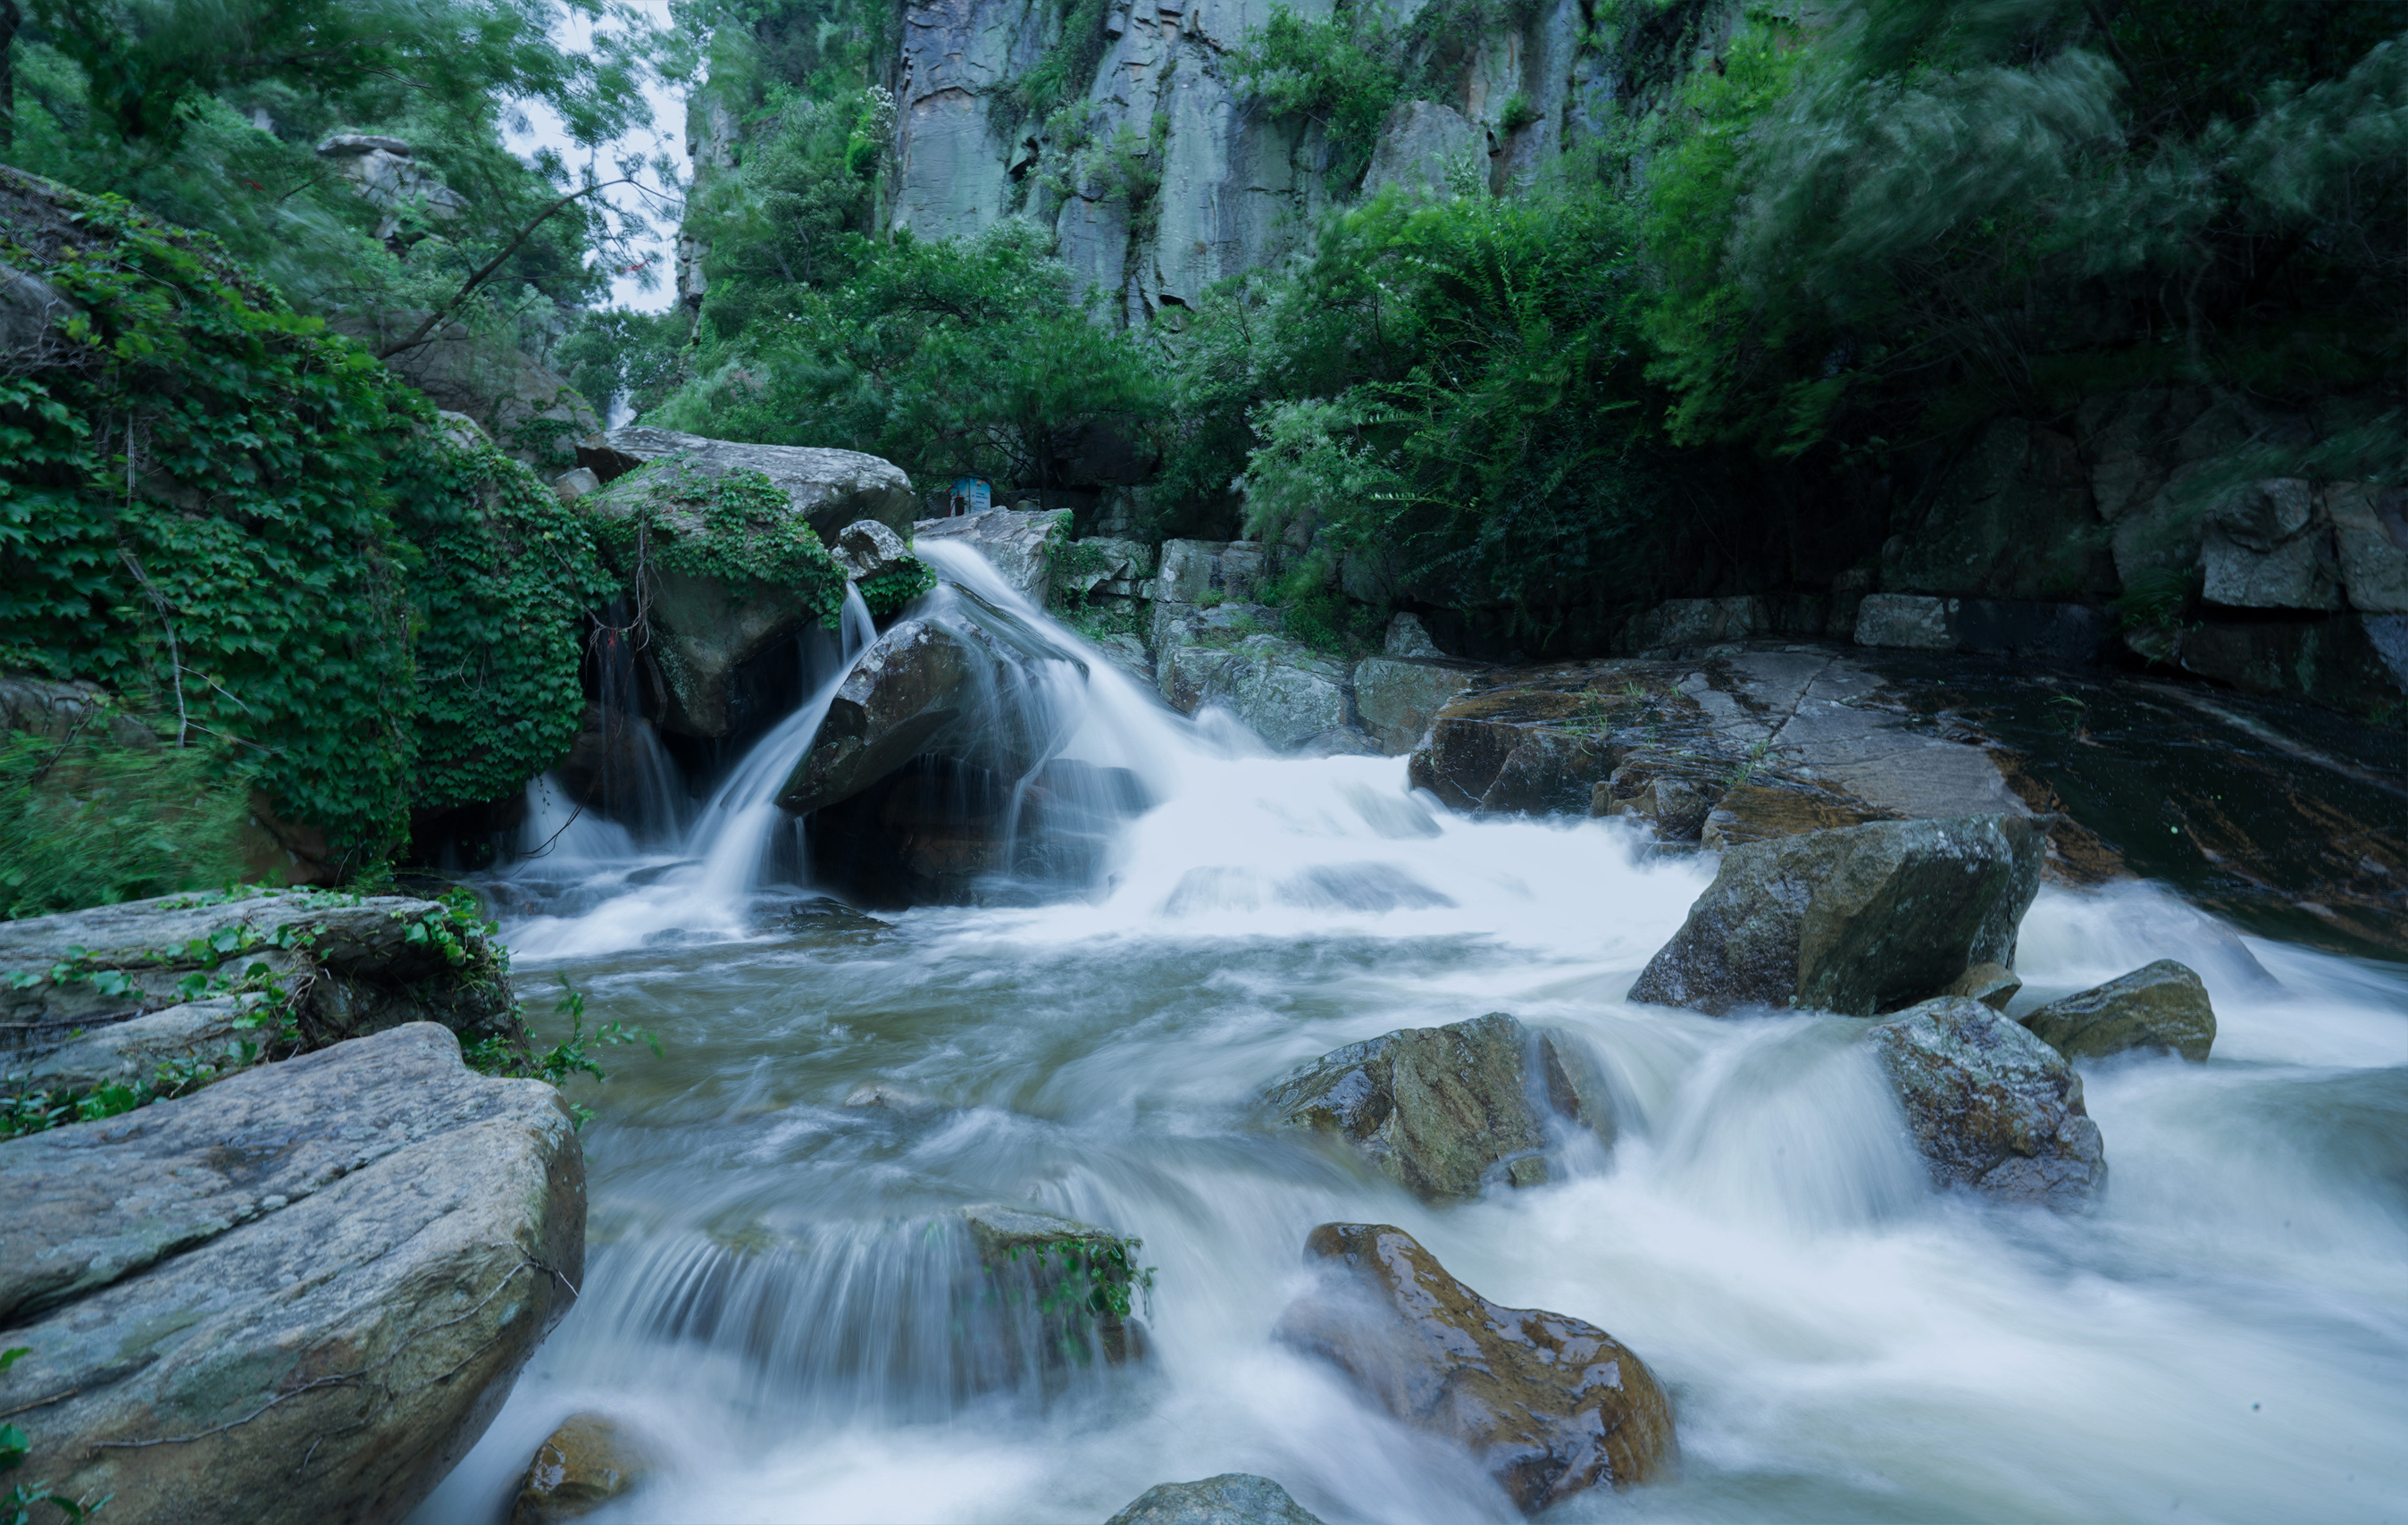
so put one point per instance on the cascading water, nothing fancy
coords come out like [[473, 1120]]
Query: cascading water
[[776, 1285]]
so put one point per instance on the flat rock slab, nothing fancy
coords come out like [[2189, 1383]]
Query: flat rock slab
[[109, 993], [1234, 1498], [1549, 1405], [1992, 1108], [830, 488], [2159, 1005], [297, 1296], [1861, 920]]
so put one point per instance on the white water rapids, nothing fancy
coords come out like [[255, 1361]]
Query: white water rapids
[[2226, 1338]]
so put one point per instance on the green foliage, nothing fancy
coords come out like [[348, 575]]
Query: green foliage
[[885, 593], [573, 1055], [192, 503], [952, 358], [90, 821], [1493, 442], [617, 356], [735, 527], [1067, 67], [505, 575]]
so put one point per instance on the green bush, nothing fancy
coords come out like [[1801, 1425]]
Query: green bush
[[87, 820]]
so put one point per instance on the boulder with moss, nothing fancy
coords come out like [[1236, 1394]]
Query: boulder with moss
[[1992, 1109], [2162, 1005]]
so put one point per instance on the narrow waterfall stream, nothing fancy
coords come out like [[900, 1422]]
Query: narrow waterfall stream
[[773, 1281]]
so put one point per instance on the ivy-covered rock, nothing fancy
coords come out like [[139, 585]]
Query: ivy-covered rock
[[723, 565], [156, 996], [1077, 1283]]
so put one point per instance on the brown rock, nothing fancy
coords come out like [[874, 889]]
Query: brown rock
[[582, 1465], [1550, 1405], [1992, 984], [1431, 1108]]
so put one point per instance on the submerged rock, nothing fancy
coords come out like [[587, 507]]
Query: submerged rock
[[1991, 1107], [1083, 1279], [582, 1465], [1548, 1406], [1431, 1108], [297, 1296], [110, 993], [1234, 1498], [2160, 1005], [1862, 920]]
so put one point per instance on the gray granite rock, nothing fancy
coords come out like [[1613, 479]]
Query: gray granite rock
[[296, 1296], [1019, 544], [1992, 1108]]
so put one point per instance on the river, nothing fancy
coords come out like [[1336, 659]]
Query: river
[[770, 1281]]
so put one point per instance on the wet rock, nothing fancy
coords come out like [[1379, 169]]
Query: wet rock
[[1549, 1405], [1863, 920], [1674, 810], [582, 1465], [1019, 544], [2013, 519], [828, 488], [1575, 1085], [1284, 692], [111, 992], [1992, 1108], [889, 1096], [961, 687], [1234, 1498], [1993, 984], [2159, 1005], [314, 1281], [1757, 812], [1398, 697], [1436, 1109], [1081, 1277]]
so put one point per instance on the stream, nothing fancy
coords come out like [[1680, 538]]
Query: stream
[[772, 1288]]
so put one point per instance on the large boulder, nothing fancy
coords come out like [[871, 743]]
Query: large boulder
[[1547, 1404], [2268, 545], [1862, 920], [2159, 1005], [1019, 544], [2371, 537], [1286, 693], [297, 1296], [724, 565], [950, 683], [1233, 1498], [1437, 1109], [111, 993], [828, 488], [1992, 1108]]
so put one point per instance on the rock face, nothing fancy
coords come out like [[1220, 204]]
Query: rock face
[[1398, 697], [1862, 920], [1286, 693], [1549, 1405], [1420, 145], [582, 1465], [297, 1296], [168, 980], [1234, 1498], [828, 488], [1992, 1108], [1436, 1109], [1020, 545], [2160, 1005], [955, 685], [2011, 518]]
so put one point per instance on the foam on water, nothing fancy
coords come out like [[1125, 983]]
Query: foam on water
[[2226, 1337]]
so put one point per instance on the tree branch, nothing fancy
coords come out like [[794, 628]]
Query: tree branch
[[436, 319]]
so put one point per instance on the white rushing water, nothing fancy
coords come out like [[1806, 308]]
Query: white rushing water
[[771, 1291]]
